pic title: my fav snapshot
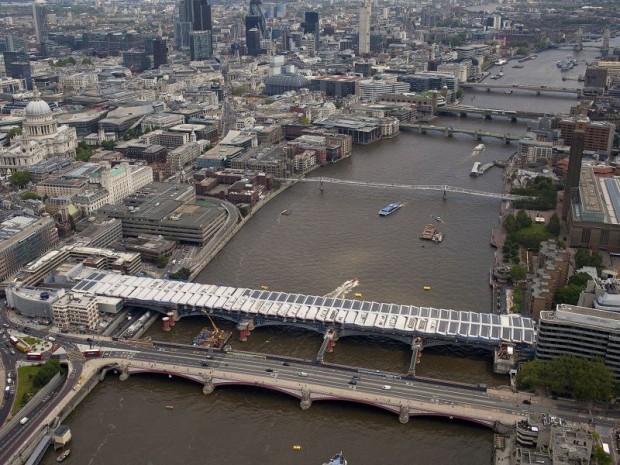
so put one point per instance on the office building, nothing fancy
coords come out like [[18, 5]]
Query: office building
[[166, 209], [23, 239], [201, 15], [182, 30], [17, 65], [137, 60], [200, 45], [598, 135], [160, 52], [256, 11], [311, 26], [252, 40], [39, 12], [364, 28], [580, 332]]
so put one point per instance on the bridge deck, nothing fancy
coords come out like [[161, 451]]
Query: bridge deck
[[380, 318]]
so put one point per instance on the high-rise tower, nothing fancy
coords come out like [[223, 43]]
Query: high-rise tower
[[256, 10], [364, 28], [311, 26], [39, 10]]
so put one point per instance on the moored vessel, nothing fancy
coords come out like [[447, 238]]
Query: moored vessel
[[389, 209], [63, 456], [438, 237], [337, 459]]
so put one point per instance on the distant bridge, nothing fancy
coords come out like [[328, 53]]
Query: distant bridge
[[449, 131], [431, 187], [532, 88], [489, 113]]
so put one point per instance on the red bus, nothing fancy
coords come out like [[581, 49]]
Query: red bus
[[92, 353], [13, 340], [34, 356]]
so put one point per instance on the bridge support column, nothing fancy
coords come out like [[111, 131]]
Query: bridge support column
[[245, 327], [416, 355], [329, 341], [124, 376], [506, 141], [513, 119], [447, 133], [477, 135], [403, 416], [174, 316], [208, 387], [306, 402], [488, 116]]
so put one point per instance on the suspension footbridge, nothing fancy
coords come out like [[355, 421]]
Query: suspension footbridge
[[416, 187]]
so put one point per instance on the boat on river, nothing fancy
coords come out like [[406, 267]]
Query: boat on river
[[337, 459], [63, 456]]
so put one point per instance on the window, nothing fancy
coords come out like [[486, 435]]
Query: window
[[585, 236], [604, 240]]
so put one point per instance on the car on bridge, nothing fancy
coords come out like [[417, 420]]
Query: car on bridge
[[386, 387], [269, 370], [353, 382]]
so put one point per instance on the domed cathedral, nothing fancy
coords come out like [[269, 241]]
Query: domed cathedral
[[41, 139]]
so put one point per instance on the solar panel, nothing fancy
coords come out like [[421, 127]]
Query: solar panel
[[357, 305], [415, 311], [445, 314], [329, 302], [375, 307], [475, 317], [405, 310], [454, 327], [495, 319], [282, 297], [310, 300], [506, 334], [247, 293], [347, 304], [474, 329], [256, 294], [319, 301], [366, 306], [443, 326], [485, 330], [338, 303], [385, 308], [464, 316], [424, 312], [517, 334], [434, 313], [454, 315], [395, 309], [300, 299], [464, 329], [484, 318], [291, 298], [494, 332]]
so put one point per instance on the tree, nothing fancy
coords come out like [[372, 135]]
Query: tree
[[580, 279], [182, 275], [517, 273], [553, 227], [108, 144], [13, 132], [71, 222], [45, 374], [30, 196], [20, 179], [567, 295], [83, 151], [523, 220], [162, 261], [566, 375], [585, 257]]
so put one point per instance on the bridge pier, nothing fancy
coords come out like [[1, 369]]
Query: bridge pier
[[245, 327], [513, 119], [124, 376], [403, 416], [416, 354], [306, 402], [506, 141], [477, 135], [329, 341], [208, 387], [488, 116]]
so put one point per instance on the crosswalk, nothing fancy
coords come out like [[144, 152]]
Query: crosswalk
[[75, 356]]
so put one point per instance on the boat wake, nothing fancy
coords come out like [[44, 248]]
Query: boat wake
[[341, 291]]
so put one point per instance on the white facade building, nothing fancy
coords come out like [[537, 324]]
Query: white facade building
[[41, 139]]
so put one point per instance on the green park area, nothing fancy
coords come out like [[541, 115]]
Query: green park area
[[30, 379]]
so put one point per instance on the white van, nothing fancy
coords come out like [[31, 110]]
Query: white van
[[386, 387], [23, 421], [51, 339], [303, 373]]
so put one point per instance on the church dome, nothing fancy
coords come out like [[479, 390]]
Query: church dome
[[38, 107]]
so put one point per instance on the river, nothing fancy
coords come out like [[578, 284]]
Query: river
[[330, 237]]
